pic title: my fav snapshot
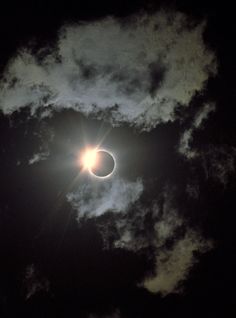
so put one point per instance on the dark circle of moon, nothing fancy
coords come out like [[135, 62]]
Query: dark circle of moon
[[105, 164]]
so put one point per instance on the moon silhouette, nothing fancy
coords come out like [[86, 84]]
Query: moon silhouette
[[105, 164]]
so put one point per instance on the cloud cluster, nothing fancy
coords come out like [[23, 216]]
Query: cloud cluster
[[138, 72], [175, 243], [172, 241], [135, 71], [113, 195]]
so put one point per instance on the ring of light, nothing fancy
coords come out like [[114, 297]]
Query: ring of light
[[108, 175]]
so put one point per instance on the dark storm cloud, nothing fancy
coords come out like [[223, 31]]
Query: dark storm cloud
[[145, 68]]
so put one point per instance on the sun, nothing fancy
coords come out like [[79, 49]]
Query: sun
[[89, 158], [100, 163]]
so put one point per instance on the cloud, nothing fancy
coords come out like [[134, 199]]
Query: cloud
[[173, 243], [185, 141], [173, 265], [135, 71], [175, 252], [165, 221], [218, 161], [114, 195], [38, 157], [34, 282]]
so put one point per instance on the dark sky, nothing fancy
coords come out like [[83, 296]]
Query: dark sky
[[153, 83]]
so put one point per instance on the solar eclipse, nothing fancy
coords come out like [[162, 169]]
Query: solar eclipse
[[98, 162]]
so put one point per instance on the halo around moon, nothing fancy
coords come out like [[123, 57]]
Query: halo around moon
[[98, 162], [105, 164]]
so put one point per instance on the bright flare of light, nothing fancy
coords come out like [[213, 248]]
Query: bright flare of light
[[89, 159]]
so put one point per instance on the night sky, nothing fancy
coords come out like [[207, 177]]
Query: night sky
[[152, 83]]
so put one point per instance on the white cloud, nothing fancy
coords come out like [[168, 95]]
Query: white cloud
[[38, 157], [164, 227], [114, 195], [185, 141], [136, 72]]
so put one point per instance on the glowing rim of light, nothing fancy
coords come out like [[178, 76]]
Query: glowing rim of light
[[108, 175]]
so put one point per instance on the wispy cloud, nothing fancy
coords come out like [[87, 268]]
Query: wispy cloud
[[136, 72], [185, 141], [173, 265], [115, 195], [34, 282], [38, 157]]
